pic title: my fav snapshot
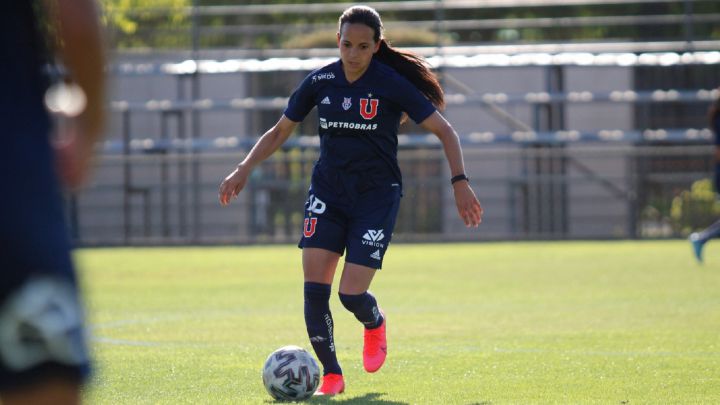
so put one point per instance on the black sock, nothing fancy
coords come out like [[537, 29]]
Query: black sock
[[319, 323], [364, 307]]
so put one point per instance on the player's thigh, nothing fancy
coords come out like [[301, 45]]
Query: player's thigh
[[371, 229], [319, 265], [323, 239]]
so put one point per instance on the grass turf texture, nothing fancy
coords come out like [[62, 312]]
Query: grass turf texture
[[572, 322]]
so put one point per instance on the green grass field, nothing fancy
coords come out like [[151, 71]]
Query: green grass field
[[489, 323]]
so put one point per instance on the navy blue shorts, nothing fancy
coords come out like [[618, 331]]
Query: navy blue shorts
[[344, 215], [42, 335], [41, 316]]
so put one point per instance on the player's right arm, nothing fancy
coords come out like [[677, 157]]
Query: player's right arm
[[263, 149]]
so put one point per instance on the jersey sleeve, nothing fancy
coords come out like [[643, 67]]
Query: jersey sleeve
[[411, 100], [301, 101]]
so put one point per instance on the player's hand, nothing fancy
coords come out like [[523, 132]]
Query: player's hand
[[468, 205], [232, 185]]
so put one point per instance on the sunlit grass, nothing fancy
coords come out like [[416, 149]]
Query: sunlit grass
[[571, 322]]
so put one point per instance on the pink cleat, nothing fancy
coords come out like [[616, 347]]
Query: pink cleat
[[332, 384], [375, 347]]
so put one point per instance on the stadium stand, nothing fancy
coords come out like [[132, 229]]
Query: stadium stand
[[565, 138]]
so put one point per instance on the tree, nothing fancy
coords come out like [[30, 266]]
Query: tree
[[147, 23]]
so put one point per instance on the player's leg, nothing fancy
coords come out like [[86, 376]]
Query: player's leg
[[369, 237], [319, 265], [323, 243], [319, 269], [356, 298], [698, 239]]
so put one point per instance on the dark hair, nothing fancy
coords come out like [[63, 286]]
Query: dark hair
[[413, 67]]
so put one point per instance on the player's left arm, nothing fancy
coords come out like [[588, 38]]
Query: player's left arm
[[81, 48], [468, 206]]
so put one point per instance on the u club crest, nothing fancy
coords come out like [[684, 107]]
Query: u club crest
[[368, 107]]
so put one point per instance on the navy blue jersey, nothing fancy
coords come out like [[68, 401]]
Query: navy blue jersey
[[32, 228], [22, 56], [359, 121]]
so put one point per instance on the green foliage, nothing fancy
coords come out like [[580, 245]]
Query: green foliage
[[500, 323], [147, 23], [695, 208], [167, 24]]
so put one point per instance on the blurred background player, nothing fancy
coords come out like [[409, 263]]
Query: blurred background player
[[698, 239], [43, 354], [356, 183]]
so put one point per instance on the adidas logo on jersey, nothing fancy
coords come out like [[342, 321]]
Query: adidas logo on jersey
[[376, 255], [326, 100], [373, 237]]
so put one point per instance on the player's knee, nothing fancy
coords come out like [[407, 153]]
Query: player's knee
[[316, 292], [353, 302]]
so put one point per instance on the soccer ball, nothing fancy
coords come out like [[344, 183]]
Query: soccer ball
[[291, 374]]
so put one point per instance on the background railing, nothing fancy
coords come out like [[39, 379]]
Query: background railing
[[579, 119], [559, 191], [218, 24]]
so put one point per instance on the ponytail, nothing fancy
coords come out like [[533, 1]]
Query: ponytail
[[415, 69], [411, 66]]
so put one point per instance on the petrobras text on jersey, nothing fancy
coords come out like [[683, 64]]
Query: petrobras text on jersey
[[323, 76], [325, 124]]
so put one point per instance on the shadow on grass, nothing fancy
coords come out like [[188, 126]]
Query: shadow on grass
[[370, 398]]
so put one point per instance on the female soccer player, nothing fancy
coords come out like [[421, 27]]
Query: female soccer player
[[356, 183]]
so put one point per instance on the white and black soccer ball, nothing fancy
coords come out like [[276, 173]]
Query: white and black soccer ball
[[291, 374]]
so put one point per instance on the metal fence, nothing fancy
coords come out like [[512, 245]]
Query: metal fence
[[535, 191], [439, 22], [564, 137]]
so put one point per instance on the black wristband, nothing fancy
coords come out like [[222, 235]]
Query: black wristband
[[459, 177]]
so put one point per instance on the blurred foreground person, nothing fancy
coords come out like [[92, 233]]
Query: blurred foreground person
[[43, 353]]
